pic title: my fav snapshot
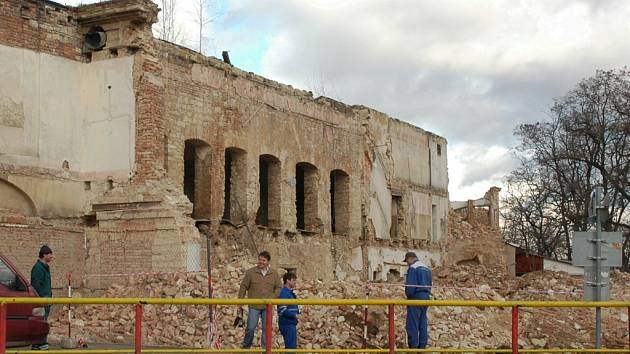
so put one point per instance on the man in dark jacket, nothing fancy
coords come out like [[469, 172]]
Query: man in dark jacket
[[418, 284], [288, 314], [41, 281]]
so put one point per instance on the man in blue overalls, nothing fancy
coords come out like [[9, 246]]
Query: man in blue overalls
[[288, 314], [418, 284]]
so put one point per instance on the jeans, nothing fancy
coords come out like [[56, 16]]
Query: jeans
[[253, 315], [417, 327]]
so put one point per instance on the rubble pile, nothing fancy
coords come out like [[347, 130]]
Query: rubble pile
[[342, 326], [460, 229]]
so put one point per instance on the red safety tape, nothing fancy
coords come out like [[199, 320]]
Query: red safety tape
[[142, 273]]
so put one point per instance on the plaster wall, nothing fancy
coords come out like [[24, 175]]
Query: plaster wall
[[60, 113]]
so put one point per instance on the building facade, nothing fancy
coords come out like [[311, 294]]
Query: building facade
[[123, 152]]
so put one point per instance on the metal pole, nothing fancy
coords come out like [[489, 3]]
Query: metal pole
[[391, 338], [365, 317], [515, 330], [69, 306], [268, 329], [3, 328], [628, 328], [209, 263], [598, 268], [138, 333]]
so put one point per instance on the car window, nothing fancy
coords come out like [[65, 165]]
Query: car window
[[7, 277]]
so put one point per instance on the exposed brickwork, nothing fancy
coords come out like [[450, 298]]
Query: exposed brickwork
[[40, 26], [184, 99], [21, 243], [149, 120]]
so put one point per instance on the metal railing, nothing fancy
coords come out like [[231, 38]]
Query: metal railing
[[269, 303]]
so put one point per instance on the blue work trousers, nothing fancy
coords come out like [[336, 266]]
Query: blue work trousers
[[289, 333], [253, 315], [417, 327]]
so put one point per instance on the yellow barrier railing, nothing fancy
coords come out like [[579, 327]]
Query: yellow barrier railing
[[139, 302]]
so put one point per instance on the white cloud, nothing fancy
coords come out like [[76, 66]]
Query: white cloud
[[467, 70]]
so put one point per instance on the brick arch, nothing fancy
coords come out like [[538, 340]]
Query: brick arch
[[339, 201], [197, 176], [15, 199], [269, 177], [235, 185], [307, 197]]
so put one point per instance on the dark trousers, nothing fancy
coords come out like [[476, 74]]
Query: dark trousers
[[289, 333], [417, 327]]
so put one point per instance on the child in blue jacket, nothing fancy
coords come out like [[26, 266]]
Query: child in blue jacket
[[288, 314]]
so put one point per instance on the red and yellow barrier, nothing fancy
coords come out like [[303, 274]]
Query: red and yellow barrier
[[269, 303]]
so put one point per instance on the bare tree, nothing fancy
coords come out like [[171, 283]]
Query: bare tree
[[586, 142], [166, 27], [203, 15]]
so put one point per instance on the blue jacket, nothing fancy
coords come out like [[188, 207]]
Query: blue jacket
[[418, 274], [287, 314]]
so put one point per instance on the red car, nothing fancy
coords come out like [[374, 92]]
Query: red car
[[25, 323]]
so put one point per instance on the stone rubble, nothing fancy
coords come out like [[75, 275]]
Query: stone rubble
[[342, 326]]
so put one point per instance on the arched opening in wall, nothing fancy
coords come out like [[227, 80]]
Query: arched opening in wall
[[15, 199], [306, 190], [197, 174], [339, 201], [235, 187], [269, 191]]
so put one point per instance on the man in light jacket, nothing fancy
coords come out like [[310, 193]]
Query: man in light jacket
[[259, 282]]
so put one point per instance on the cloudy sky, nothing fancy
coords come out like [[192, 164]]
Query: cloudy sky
[[467, 70]]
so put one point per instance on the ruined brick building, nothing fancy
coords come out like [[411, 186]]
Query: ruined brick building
[[117, 148]]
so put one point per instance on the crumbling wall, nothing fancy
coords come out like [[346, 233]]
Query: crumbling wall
[[139, 158], [476, 244], [227, 109], [482, 211], [408, 202]]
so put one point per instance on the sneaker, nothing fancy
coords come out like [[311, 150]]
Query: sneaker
[[40, 346]]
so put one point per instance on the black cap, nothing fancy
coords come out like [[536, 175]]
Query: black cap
[[409, 254]]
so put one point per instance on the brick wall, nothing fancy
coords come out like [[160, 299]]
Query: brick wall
[[149, 119], [21, 243], [40, 26]]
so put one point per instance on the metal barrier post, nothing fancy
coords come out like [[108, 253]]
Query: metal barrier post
[[515, 329], [391, 338], [269, 328], [3, 328], [629, 327], [138, 333]]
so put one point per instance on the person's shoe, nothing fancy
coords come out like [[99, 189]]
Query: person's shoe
[[40, 346]]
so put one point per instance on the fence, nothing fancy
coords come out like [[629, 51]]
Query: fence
[[269, 303]]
